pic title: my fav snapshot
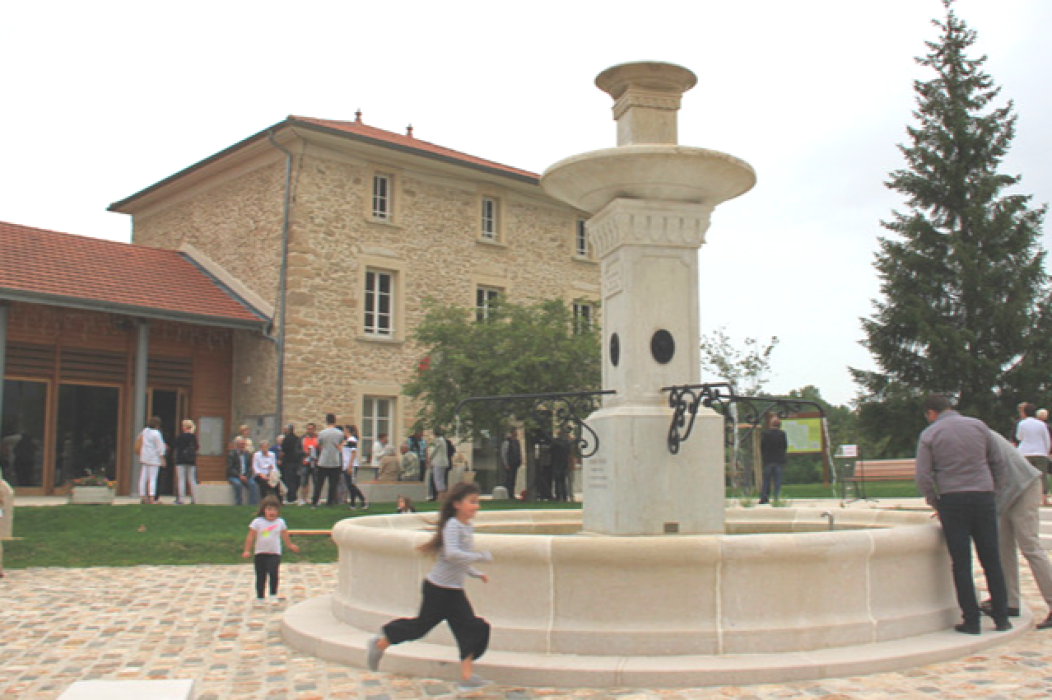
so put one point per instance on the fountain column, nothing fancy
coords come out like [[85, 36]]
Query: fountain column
[[651, 201]]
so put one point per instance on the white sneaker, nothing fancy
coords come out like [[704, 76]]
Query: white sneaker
[[373, 654], [473, 683], [274, 600]]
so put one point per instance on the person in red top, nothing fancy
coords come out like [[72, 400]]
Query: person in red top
[[310, 463]]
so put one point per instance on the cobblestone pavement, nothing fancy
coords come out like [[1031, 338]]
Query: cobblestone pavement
[[158, 622]]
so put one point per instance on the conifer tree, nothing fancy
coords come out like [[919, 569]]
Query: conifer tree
[[965, 307]]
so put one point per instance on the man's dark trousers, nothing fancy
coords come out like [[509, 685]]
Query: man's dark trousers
[[970, 516], [332, 475]]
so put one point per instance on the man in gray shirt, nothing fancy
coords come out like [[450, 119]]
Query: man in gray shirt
[[330, 461], [958, 469]]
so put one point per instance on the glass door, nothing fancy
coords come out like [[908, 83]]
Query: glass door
[[86, 437], [22, 433]]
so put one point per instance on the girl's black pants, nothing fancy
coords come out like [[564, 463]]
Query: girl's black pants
[[451, 605]]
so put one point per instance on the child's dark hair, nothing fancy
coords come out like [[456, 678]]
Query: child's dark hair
[[268, 501], [456, 494], [407, 503]]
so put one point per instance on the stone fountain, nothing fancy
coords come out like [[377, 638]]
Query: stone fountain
[[654, 584]]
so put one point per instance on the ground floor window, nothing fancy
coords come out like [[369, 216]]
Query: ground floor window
[[376, 420], [86, 437], [21, 443]]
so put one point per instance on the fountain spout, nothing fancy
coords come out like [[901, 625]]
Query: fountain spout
[[832, 520]]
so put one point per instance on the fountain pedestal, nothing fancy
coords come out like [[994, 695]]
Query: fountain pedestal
[[652, 201]]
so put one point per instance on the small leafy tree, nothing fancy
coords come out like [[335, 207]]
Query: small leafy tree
[[746, 368], [518, 349]]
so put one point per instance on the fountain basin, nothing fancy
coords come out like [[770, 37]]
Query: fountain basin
[[785, 584]]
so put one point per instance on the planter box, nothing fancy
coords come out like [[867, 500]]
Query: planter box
[[81, 495]]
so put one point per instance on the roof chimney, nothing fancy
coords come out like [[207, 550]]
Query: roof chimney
[[358, 116], [409, 131]]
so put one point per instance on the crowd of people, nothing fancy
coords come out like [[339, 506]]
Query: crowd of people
[[323, 465]]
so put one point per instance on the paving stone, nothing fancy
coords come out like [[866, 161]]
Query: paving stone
[[65, 625]]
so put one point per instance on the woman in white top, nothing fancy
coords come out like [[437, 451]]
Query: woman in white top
[[151, 458], [263, 463], [350, 468]]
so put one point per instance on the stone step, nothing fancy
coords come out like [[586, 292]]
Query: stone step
[[130, 690], [311, 628]]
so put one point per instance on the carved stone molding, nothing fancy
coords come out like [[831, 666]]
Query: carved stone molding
[[632, 222]]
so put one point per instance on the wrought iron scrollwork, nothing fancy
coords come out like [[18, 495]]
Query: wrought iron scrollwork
[[566, 410], [685, 400]]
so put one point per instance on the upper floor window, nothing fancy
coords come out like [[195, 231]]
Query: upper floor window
[[484, 298], [581, 240], [383, 195], [379, 302], [583, 313], [490, 218]]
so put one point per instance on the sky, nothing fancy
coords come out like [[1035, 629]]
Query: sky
[[102, 99]]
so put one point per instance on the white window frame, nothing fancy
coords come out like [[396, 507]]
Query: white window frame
[[490, 219], [378, 321], [581, 247], [374, 422], [383, 197], [583, 316], [484, 296]]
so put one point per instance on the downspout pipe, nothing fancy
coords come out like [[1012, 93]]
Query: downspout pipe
[[282, 285]]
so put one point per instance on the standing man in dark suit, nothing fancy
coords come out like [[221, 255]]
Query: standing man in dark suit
[[511, 460], [959, 467], [774, 447], [239, 473]]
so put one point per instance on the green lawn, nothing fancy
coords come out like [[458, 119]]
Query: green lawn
[[79, 536]]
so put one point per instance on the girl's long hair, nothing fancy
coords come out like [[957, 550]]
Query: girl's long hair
[[268, 501], [456, 494]]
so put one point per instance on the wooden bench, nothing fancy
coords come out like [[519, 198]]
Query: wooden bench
[[866, 471], [310, 533]]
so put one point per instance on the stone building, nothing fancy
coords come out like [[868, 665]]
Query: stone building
[[342, 230]]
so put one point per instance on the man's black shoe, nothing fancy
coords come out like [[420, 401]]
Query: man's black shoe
[[1003, 626], [987, 608], [964, 628], [1047, 624]]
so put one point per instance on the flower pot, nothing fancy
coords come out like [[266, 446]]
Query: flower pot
[[91, 494]]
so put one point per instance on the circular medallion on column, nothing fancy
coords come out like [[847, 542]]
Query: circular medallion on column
[[662, 346], [615, 349]]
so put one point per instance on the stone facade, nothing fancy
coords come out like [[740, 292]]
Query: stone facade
[[431, 245]]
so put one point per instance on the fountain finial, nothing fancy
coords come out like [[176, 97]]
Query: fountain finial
[[647, 95]]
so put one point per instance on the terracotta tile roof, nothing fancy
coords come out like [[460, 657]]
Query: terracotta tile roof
[[370, 132], [64, 269]]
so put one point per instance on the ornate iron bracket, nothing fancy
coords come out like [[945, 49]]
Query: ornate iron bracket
[[566, 409], [686, 399]]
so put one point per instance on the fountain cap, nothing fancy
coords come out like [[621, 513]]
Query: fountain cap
[[647, 95]]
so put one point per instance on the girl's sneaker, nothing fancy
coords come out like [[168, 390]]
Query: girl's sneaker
[[473, 683], [373, 654]]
